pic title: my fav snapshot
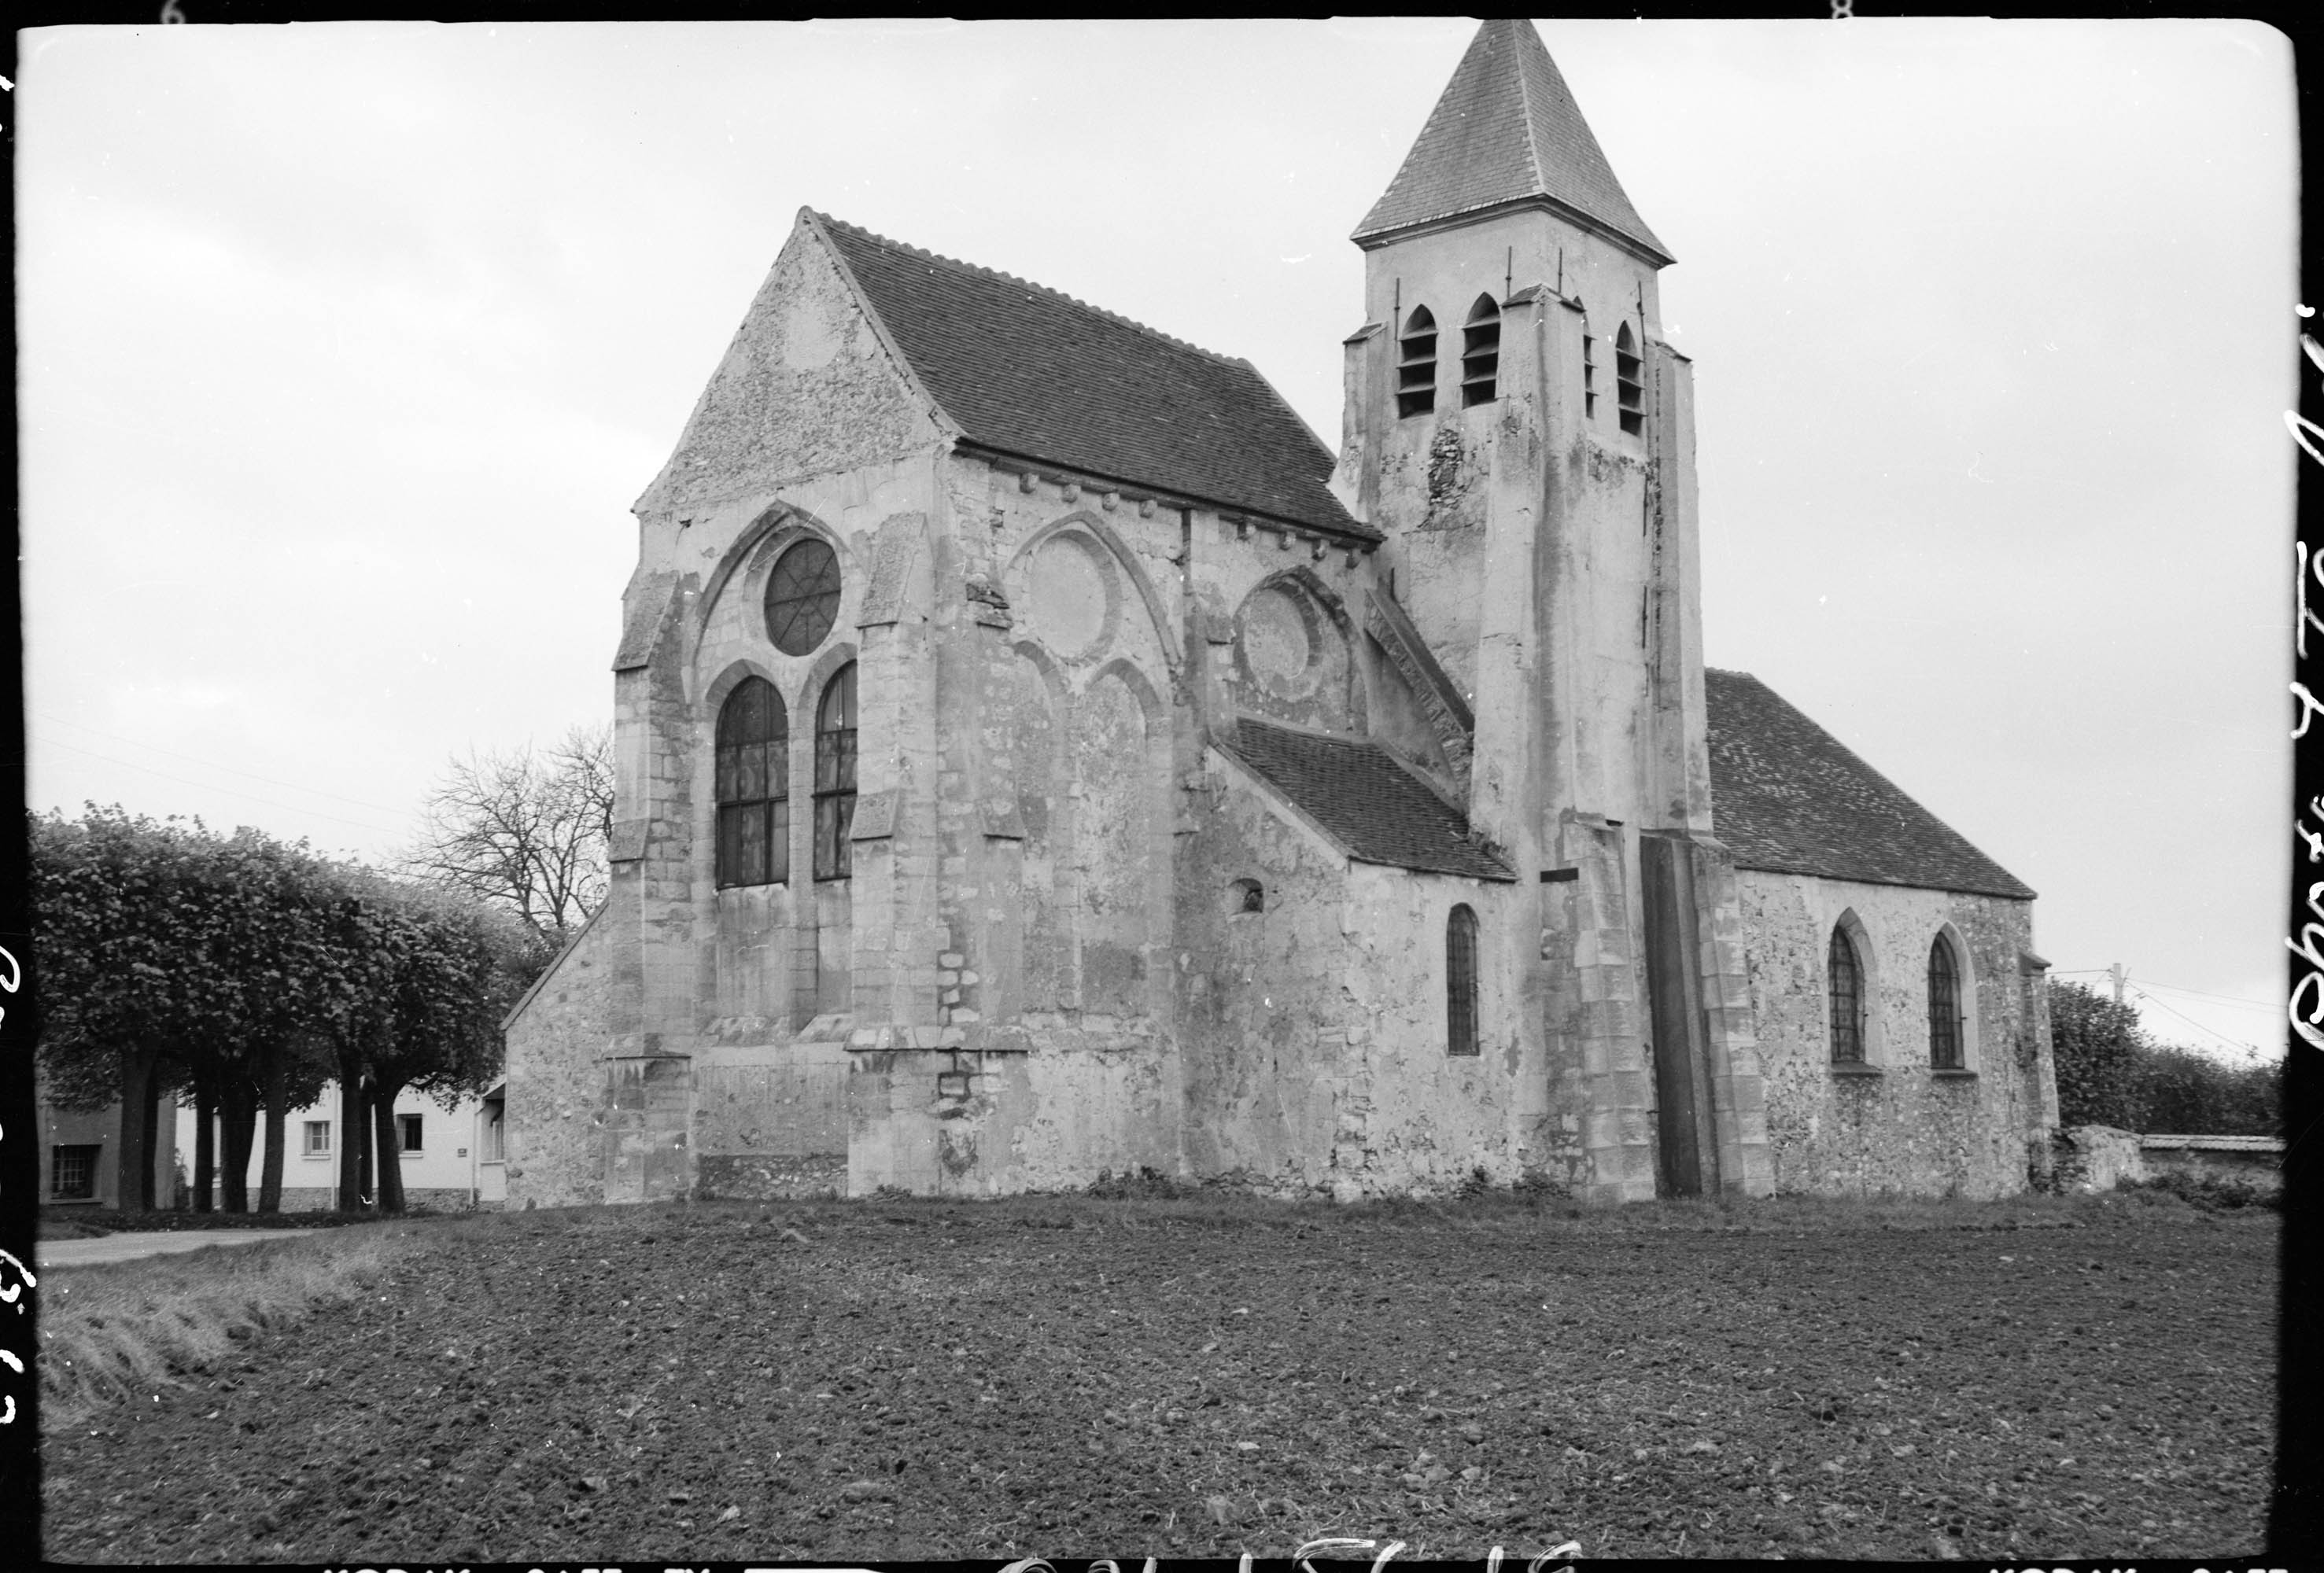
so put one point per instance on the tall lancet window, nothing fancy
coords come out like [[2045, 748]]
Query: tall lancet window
[[1480, 354], [753, 786], [1944, 1007], [1461, 982], [1847, 1001], [1415, 365], [835, 776], [1629, 382]]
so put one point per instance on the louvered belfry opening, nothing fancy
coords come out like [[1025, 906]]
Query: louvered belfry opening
[[1480, 354], [753, 786], [1589, 377], [1846, 1001], [1460, 981], [1415, 365], [835, 776], [1629, 382], [1944, 1007]]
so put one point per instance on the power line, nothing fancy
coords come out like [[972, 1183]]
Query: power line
[[212, 764], [209, 787], [2190, 1021]]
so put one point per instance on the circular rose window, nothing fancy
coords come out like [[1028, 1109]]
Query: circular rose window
[[803, 597]]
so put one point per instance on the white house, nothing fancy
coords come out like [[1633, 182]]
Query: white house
[[449, 1153]]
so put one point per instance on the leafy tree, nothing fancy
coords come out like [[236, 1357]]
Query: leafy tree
[[525, 831], [2099, 1048]]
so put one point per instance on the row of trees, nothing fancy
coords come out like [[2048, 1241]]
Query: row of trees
[[244, 973], [2112, 1072]]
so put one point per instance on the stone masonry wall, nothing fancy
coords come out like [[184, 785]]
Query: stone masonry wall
[[1895, 1125], [556, 1068]]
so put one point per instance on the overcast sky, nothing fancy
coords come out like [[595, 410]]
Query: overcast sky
[[346, 347]]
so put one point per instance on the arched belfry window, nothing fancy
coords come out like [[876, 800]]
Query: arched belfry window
[[834, 776], [1461, 982], [1629, 382], [1415, 365], [1944, 1007], [1846, 974], [803, 597], [753, 786], [1480, 354]]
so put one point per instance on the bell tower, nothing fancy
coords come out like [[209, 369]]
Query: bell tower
[[1520, 432]]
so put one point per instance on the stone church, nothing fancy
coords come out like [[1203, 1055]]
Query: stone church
[[1040, 756]]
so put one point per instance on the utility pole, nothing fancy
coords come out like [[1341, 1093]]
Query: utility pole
[[2116, 971]]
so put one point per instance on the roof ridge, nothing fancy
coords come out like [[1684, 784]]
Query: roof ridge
[[922, 252], [1525, 99]]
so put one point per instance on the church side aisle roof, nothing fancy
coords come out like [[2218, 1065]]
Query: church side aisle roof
[[1372, 805], [1507, 129], [1030, 373], [1789, 797]]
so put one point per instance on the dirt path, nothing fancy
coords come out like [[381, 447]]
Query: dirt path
[[1101, 1379]]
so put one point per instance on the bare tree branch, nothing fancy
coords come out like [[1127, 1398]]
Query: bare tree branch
[[524, 830]]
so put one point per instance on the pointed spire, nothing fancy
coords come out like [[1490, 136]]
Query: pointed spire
[[1508, 130]]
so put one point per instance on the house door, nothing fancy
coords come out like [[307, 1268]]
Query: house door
[[1685, 1148]]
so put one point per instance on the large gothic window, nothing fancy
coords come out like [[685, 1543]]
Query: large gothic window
[[1460, 981], [834, 776], [1480, 354], [753, 788], [1847, 1001], [803, 597], [1415, 365], [1944, 1007]]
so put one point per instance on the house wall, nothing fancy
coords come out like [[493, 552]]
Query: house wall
[[101, 1129], [444, 1173], [1897, 1126]]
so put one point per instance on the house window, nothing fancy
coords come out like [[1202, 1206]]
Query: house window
[[73, 1172], [753, 786], [1461, 982], [317, 1142], [1846, 1001], [1415, 365], [803, 597], [1589, 377], [1480, 353], [1629, 384], [408, 1130], [1944, 1007], [834, 776]]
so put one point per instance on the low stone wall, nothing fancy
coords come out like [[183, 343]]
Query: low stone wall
[[2097, 1157], [2254, 1161]]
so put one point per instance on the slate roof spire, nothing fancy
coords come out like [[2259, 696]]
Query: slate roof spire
[[1507, 132]]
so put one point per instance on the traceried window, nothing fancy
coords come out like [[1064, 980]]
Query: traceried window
[[1461, 982], [803, 597], [73, 1172], [1629, 382], [753, 786], [834, 776], [1480, 354], [1415, 365], [1847, 1001], [1944, 1007]]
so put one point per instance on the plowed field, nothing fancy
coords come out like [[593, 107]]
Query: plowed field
[[1090, 1378]]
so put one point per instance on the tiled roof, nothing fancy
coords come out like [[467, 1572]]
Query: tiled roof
[[1039, 375], [1788, 796], [1507, 129], [1367, 802]]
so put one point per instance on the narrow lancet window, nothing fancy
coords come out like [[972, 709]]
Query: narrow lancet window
[[1944, 1007], [1589, 377], [753, 786], [835, 776], [1480, 354], [1846, 1001], [1415, 365], [1461, 982]]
